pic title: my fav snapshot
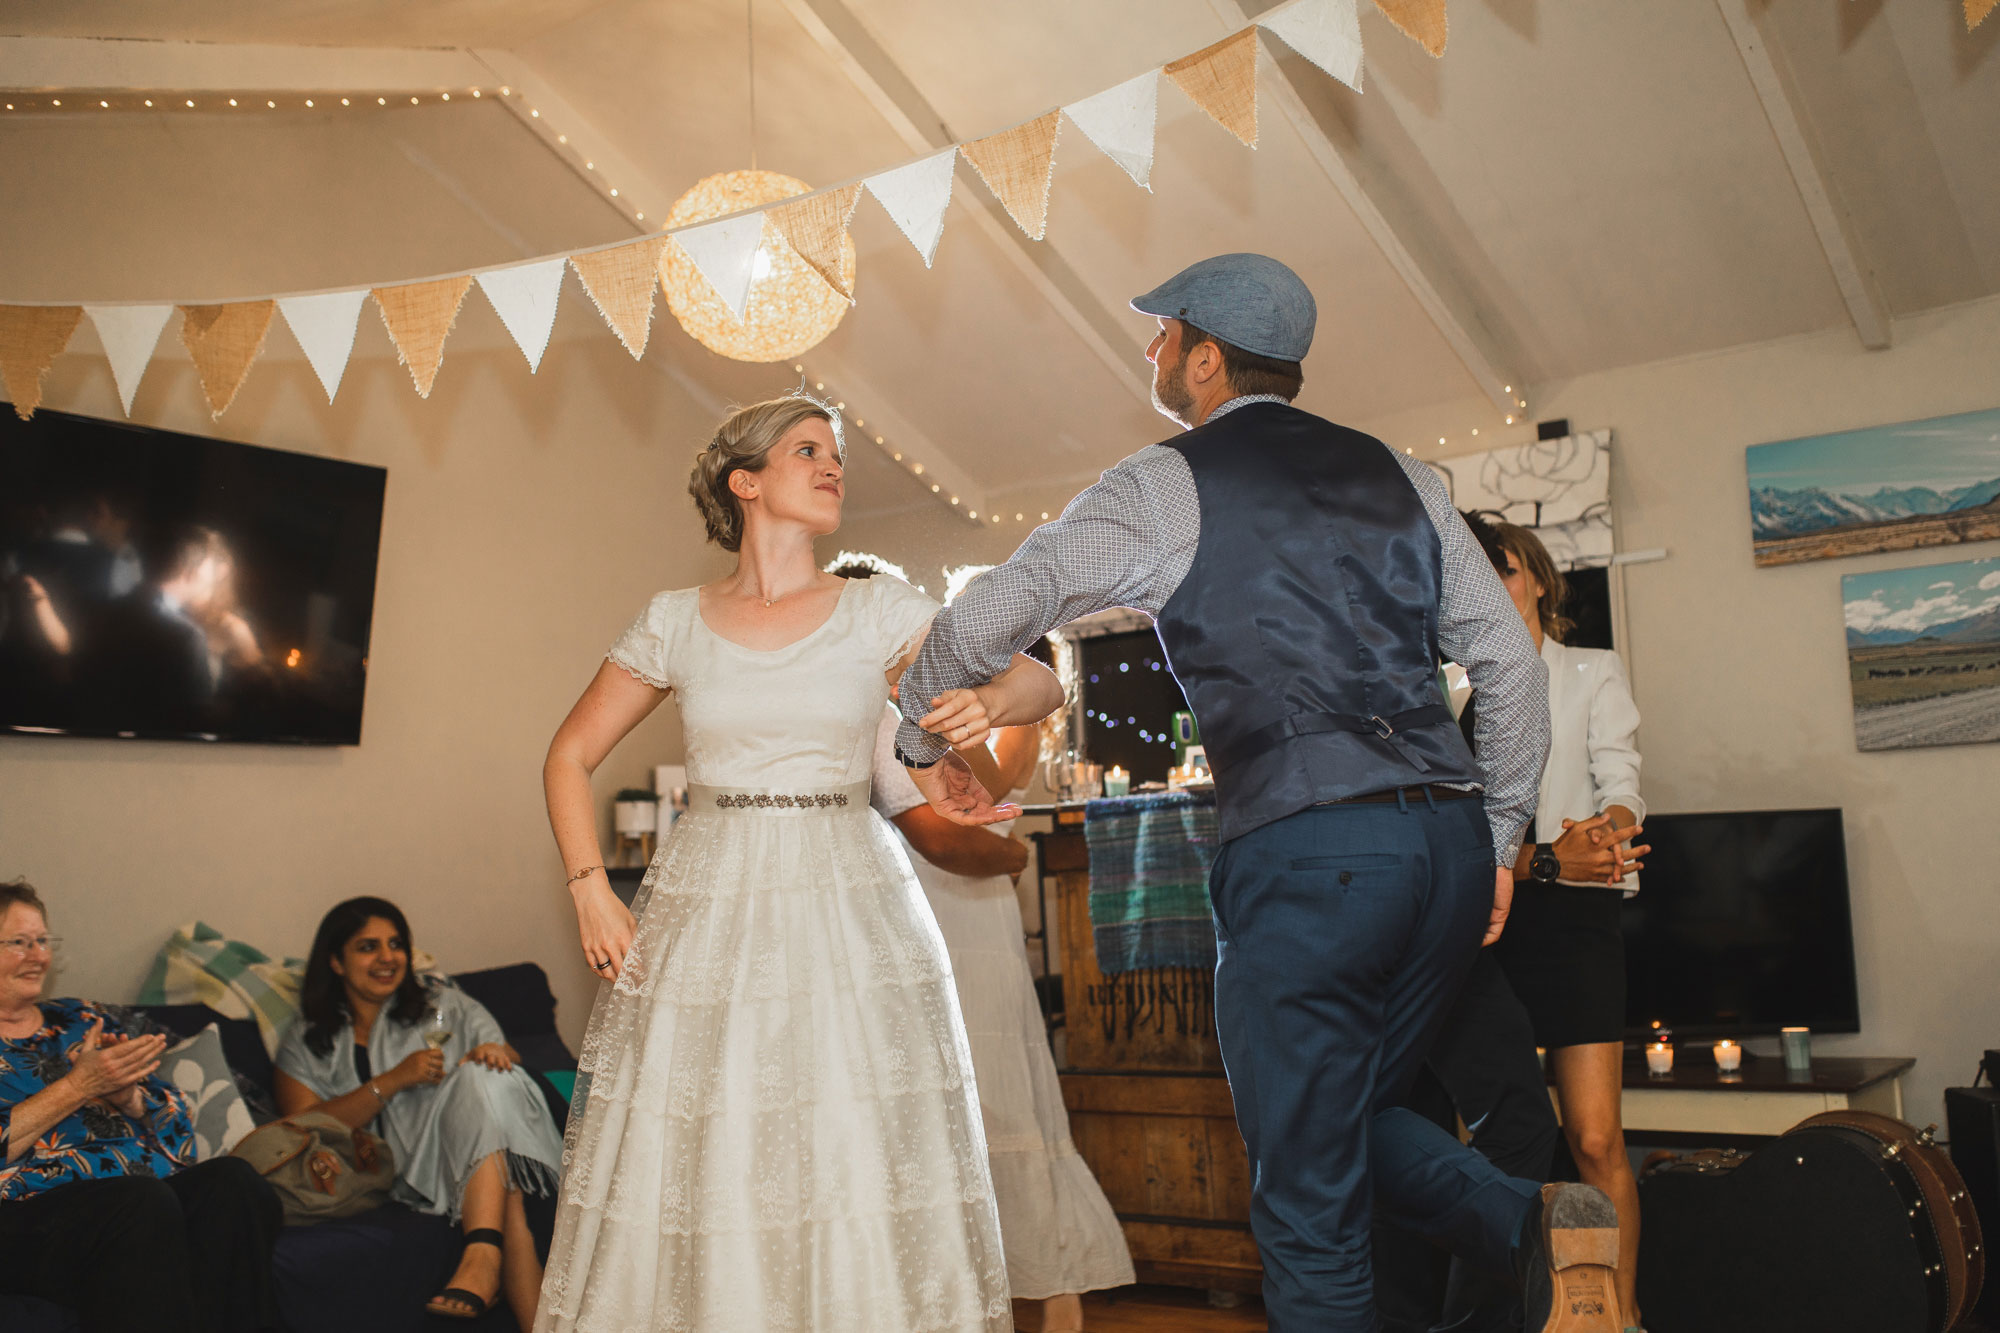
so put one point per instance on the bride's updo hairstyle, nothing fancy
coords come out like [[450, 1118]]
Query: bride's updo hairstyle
[[743, 443]]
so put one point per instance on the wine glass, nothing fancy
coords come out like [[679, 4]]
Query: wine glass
[[437, 1029]]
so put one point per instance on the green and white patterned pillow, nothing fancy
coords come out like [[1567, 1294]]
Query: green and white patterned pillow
[[198, 1069]]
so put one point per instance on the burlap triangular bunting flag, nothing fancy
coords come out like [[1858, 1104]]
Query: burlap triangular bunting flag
[[1222, 80], [621, 282], [1017, 165], [815, 227], [1976, 12], [1422, 21], [223, 340], [419, 316], [31, 338]]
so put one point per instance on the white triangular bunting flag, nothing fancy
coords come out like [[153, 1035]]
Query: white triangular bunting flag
[[524, 297], [726, 254], [129, 334], [1326, 32], [324, 326], [916, 197], [1120, 121]]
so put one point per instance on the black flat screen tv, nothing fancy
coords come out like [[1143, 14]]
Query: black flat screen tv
[[167, 586], [1741, 926]]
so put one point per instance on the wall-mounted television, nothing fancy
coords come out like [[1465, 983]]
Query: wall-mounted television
[[1741, 926], [168, 586]]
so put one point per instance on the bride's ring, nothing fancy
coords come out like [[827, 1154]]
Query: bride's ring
[[601, 966]]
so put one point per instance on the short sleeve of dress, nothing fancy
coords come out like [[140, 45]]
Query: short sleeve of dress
[[893, 793], [641, 651], [901, 612]]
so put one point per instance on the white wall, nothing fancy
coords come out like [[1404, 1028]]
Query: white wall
[[528, 519]]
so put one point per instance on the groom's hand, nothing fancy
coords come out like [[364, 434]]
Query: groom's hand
[[1503, 902], [957, 795]]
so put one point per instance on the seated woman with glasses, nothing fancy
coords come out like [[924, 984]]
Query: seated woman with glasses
[[377, 1043], [103, 1207]]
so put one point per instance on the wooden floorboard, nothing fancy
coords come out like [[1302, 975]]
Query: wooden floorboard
[[1153, 1310]]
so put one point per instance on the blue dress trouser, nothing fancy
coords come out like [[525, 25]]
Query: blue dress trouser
[[1343, 935]]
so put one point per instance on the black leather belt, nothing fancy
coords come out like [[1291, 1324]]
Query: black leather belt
[[1438, 792]]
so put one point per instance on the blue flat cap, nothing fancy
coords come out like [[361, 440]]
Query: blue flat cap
[[1252, 301]]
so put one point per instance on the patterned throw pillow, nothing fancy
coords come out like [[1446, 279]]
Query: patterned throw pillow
[[198, 1069]]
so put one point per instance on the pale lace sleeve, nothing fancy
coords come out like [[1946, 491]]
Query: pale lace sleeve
[[641, 651], [901, 612]]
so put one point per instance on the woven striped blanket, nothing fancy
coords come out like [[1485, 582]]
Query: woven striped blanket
[[200, 965], [1149, 860]]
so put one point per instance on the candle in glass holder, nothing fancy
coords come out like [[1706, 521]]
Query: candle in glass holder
[[1117, 782], [1659, 1059], [1728, 1056]]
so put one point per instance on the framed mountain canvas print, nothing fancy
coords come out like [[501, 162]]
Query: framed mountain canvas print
[[1887, 488], [1923, 654]]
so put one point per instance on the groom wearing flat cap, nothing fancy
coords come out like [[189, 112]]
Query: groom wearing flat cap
[[1304, 579]]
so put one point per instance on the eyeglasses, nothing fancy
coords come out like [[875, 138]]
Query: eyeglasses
[[20, 946]]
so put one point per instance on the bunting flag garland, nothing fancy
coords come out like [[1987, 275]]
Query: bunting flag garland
[[620, 283], [419, 316], [1326, 32], [1422, 21], [524, 297], [1222, 80], [129, 334], [31, 338], [725, 253], [1121, 121], [916, 197], [815, 226], [324, 327], [1019, 165], [223, 340], [1976, 12]]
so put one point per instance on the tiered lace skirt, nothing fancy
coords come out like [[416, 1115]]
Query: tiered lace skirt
[[778, 1126]]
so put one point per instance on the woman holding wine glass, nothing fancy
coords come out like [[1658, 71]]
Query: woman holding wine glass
[[431, 1068]]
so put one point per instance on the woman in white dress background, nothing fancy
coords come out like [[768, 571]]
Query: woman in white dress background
[[1060, 1234], [779, 1127]]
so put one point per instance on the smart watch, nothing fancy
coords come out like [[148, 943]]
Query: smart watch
[[1543, 867]]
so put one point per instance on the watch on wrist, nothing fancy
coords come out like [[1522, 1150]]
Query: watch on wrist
[[1543, 867], [908, 762]]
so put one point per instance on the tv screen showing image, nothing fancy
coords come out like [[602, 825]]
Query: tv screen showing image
[[1741, 926], [160, 585]]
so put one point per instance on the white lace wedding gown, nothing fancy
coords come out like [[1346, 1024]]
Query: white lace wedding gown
[[779, 1128]]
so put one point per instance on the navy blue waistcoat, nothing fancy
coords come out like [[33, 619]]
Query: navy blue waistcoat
[[1305, 632]]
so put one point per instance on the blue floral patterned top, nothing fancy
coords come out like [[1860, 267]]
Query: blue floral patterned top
[[93, 1142]]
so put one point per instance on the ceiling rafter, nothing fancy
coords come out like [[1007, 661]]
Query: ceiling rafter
[[917, 123], [34, 64], [1769, 76], [1424, 275]]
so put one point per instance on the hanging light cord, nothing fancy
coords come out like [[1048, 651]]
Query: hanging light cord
[[750, 40]]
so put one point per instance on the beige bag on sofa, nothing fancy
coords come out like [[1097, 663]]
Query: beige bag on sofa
[[320, 1168]]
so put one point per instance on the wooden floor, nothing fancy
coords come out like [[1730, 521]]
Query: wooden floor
[[1153, 1310]]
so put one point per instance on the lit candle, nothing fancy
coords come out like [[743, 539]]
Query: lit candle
[[1117, 782], [1659, 1059], [1728, 1056]]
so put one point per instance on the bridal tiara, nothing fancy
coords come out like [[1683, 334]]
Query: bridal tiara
[[832, 414]]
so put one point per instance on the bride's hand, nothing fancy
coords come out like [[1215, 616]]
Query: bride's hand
[[606, 927], [959, 717]]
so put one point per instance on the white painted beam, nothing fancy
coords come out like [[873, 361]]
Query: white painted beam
[[54, 64], [1455, 319], [586, 150], [1772, 79], [878, 411], [1112, 338]]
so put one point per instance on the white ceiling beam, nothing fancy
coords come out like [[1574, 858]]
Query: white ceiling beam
[[872, 414], [103, 64], [847, 42], [1830, 221], [591, 154], [1455, 317]]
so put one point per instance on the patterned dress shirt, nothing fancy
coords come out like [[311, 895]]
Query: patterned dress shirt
[[1130, 539]]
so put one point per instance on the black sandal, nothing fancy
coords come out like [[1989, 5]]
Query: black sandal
[[473, 1306]]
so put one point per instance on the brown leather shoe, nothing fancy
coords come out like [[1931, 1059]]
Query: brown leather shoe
[[1570, 1284]]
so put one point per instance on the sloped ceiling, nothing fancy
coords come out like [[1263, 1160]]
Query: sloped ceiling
[[1591, 185]]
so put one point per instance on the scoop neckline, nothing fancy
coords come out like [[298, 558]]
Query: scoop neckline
[[839, 601]]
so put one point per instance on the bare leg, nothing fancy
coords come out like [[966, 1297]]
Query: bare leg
[[1588, 1079], [483, 1205], [523, 1271], [1062, 1314]]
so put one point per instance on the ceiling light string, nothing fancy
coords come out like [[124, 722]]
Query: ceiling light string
[[750, 42]]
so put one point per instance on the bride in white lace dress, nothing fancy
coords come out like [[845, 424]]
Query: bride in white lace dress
[[778, 1128]]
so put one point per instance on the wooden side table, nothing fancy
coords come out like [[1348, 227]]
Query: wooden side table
[[1763, 1098]]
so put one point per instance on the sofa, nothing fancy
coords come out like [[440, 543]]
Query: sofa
[[372, 1273]]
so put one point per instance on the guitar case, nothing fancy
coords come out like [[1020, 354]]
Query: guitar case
[[1849, 1222]]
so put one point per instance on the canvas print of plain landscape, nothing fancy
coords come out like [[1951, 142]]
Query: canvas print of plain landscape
[[1923, 655], [1888, 488]]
